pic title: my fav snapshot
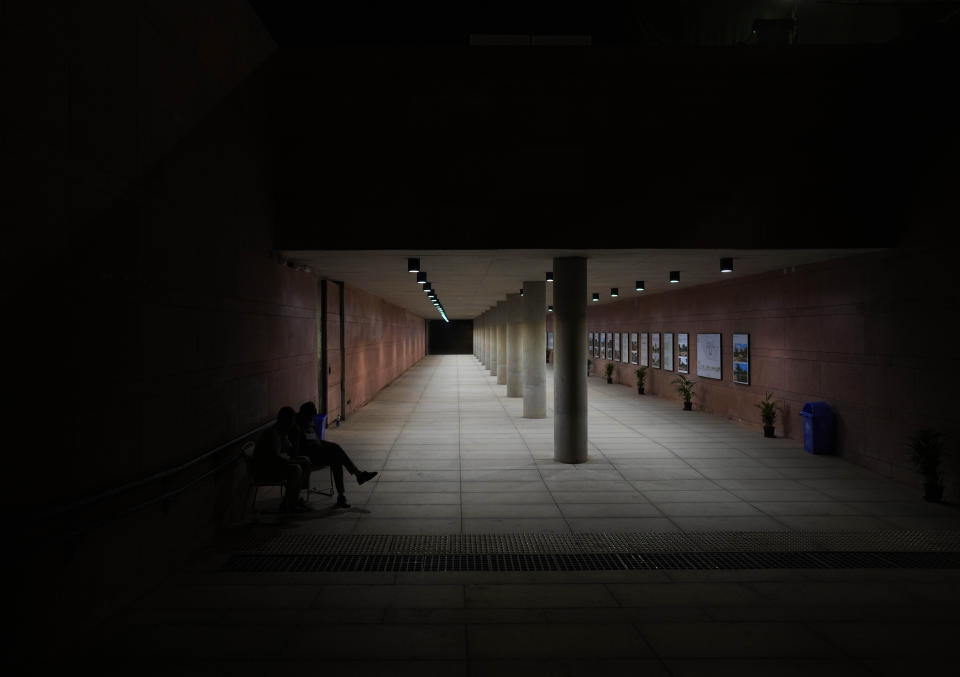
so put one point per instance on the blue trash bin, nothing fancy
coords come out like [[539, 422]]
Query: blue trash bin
[[320, 426], [817, 427]]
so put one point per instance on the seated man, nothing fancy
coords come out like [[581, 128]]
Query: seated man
[[320, 452], [272, 460]]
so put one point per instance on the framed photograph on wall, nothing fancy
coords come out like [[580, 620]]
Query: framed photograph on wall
[[549, 340], [616, 346], [741, 358], [596, 344], [625, 344], [634, 348], [709, 363], [603, 345], [683, 353], [590, 344], [644, 353], [609, 355], [668, 352], [655, 350]]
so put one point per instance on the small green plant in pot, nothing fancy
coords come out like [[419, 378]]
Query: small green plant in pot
[[768, 414], [609, 372], [685, 388], [926, 451], [641, 376]]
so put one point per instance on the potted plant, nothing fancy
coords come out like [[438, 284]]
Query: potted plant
[[926, 450], [609, 372], [641, 375], [767, 414], [685, 388]]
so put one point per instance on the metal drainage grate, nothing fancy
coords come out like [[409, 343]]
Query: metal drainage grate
[[591, 561]]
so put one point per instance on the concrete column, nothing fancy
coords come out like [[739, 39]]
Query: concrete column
[[501, 343], [569, 347], [534, 350], [478, 324], [494, 345], [514, 345]]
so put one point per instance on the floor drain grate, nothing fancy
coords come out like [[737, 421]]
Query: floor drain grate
[[621, 561]]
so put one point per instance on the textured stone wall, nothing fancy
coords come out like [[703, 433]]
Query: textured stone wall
[[868, 335]]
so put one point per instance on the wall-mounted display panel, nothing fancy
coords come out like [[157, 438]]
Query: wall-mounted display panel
[[549, 340], [625, 342], [668, 352], [683, 353], [616, 346], [644, 352], [709, 357], [634, 348], [655, 350], [609, 346], [603, 345], [590, 344], [741, 358]]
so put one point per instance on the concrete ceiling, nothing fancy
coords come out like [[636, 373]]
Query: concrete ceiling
[[468, 282]]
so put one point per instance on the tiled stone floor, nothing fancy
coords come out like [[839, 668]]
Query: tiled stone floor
[[456, 456]]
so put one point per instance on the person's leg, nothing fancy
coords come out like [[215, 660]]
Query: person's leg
[[335, 451], [294, 482]]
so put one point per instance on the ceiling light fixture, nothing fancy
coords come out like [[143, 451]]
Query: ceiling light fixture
[[549, 309], [614, 291], [726, 265], [674, 276], [422, 277], [550, 276], [428, 287], [413, 265], [521, 292], [596, 297], [639, 286]]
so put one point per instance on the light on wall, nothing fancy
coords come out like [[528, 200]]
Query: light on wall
[[726, 265], [413, 265], [422, 277], [639, 286], [596, 297], [550, 276], [614, 291], [674, 276]]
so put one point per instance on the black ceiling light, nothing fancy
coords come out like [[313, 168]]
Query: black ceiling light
[[614, 291], [550, 276], [521, 292], [428, 287], [639, 285], [596, 297], [549, 309], [674, 276], [726, 265], [413, 265], [422, 277]]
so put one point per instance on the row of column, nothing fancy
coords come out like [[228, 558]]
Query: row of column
[[510, 340]]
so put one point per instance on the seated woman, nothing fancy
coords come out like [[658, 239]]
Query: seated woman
[[305, 442], [272, 459]]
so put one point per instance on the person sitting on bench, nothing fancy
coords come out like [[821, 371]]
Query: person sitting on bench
[[305, 442], [273, 459]]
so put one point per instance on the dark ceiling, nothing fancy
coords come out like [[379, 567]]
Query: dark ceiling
[[390, 133]]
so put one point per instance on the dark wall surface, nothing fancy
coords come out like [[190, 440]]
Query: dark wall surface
[[451, 338], [846, 332]]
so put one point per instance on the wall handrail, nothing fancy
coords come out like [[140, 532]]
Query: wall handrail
[[156, 477]]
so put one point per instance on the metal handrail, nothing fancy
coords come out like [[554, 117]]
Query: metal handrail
[[91, 500]]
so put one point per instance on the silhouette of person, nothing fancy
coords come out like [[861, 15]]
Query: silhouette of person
[[273, 459], [305, 441]]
